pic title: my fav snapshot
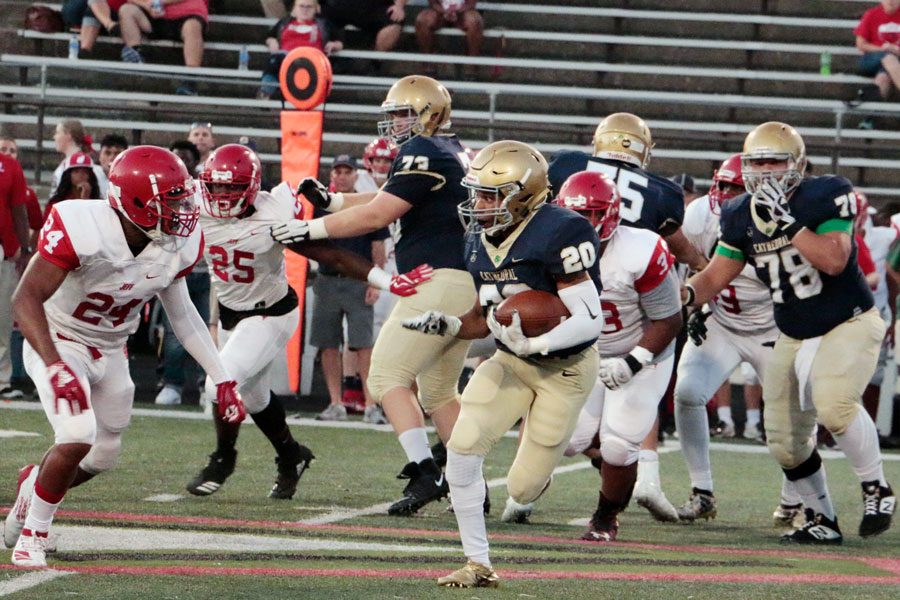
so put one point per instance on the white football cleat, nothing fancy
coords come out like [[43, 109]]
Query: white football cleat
[[30, 550], [649, 495], [15, 520], [515, 512], [168, 396]]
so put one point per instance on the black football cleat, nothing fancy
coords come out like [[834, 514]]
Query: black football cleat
[[818, 530], [426, 484], [290, 470], [879, 504], [214, 474], [602, 528]]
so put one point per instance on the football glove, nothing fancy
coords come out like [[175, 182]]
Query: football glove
[[511, 335], [67, 388], [319, 196], [770, 195], [616, 372], [696, 326], [294, 231], [405, 284], [434, 323], [228, 400]]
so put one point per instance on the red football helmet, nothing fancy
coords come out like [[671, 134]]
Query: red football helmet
[[728, 174], [379, 148], [230, 180], [152, 188], [595, 196], [862, 210]]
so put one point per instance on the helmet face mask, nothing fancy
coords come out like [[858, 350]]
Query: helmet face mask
[[152, 189], [230, 181], [596, 197], [400, 124], [773, 152], [507, 181], [378, 157], [728, 182]]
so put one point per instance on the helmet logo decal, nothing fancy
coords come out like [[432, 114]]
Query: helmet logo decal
[[224, 176]]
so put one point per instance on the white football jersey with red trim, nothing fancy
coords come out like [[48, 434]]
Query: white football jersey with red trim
[[634, 262], [746, 304], [880, 240], [99, 302], [246, 265]]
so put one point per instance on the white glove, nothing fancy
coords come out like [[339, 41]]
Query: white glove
[[770, 195], [511, 335], [616, 372], [434, 322], [293, 231]]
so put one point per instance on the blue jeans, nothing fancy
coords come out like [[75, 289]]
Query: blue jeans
[[176, 361], [870, 64]]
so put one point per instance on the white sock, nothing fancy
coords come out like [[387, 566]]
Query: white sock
[[467, 495], [752, 417], [814, 491], [415, 444], [860, 443], [648, 466], [40, 513], [693, 431], [789, 494], [724, 413]]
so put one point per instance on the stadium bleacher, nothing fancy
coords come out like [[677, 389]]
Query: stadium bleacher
[[702, 78]]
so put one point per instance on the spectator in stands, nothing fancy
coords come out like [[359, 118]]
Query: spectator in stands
[[180, 372], [337, 297], [183, 20], [77, 182], [451, 13], [878, 38], [687, 184], [71, 138], [101, 13], [381, 18], [201, 135], [301, 28], [111, 146], [15, 253]]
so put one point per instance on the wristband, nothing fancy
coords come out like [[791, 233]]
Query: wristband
[[379, 278], [336, 201], [638, 358], [691, 294], [317, 229], [793, 229]]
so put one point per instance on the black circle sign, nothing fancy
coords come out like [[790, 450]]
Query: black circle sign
[[306, 78]]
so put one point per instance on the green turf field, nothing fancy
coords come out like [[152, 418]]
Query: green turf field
[[329, 542]]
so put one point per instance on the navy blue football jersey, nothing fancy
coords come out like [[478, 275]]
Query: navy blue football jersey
[[808, 302], [648, 200], [427, 173], [554, 243]]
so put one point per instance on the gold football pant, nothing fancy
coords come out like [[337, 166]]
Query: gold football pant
[[841, 369], [402, 356], [549, 393]]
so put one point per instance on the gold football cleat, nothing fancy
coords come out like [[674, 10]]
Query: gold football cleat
[[472, 575]]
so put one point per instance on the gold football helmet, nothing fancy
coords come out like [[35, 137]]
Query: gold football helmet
[[773, 142], [625, 137], [512, 178], [415, 105]]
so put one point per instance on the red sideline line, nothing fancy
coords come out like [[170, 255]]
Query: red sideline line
[[807, 578], [168, 519]]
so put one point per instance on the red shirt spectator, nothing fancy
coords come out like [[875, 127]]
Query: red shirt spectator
[[12, 193], [186, 8], [878, 27]]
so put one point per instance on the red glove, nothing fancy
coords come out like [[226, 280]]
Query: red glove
[[231, 407], [67, 388], [405, 284]]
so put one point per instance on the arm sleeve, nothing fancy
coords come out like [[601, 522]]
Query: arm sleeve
[[584, 324], [191, 331], [664, 300]]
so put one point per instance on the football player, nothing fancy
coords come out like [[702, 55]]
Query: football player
[[518, 242], [258, 310], [796, 233], [738, 326], [642, 317], [98, 262], [422, 191], [378, 157]]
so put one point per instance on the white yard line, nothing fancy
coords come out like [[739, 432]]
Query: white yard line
[[11, 433], [29, 580]]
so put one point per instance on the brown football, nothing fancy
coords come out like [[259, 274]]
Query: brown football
[[539, 311]]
